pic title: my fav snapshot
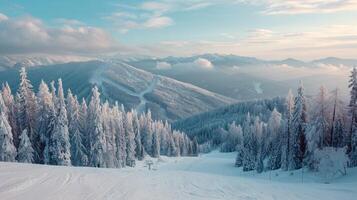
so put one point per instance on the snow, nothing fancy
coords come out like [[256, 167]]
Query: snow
[[209, 176]]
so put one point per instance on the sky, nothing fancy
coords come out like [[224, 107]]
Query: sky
[[268, 29]]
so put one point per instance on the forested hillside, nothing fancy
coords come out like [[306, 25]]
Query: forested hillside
[[48, 128]]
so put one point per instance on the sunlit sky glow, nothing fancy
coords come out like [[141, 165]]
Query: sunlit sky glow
[[270, 29]]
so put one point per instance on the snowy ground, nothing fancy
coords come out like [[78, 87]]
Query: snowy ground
[[211, 176]]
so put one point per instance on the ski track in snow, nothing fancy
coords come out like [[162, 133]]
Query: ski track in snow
[[98, 79], [208, 177]]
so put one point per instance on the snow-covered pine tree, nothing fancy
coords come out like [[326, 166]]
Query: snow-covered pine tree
[[352, 146], [146, 131], [96, 132], [120, 140], [25, 150], [299, 122], [155, 141], [338, 120], [109, 132], [45, 115], [59, 145], [287, 131], [257, 147], [11, 112], [78, 150], [275, 139], [7, 147], [27, 111], [53, 93], [249, 145], [139, 152], [130, 139], [83, 124], [318, 128]]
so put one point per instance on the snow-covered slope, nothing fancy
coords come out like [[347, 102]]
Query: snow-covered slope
[[30, 61], [210, 176], [167, 98]]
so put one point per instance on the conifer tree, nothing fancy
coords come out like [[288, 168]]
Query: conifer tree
[[25, 150], [299, 122]]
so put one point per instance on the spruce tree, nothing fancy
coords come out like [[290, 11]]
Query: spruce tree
[[7, 147], [96, 132], [59, 147], [26, 107], [25, 150], [299, 122]]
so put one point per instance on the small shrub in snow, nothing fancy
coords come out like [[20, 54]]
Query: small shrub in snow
[[331, 162]]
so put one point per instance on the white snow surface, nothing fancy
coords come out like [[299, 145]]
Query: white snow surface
[[210, 176]]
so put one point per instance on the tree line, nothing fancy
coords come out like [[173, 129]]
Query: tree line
[[309, 132], [48, 128]]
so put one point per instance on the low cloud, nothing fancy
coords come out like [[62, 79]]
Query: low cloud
[[203, 63], [158, 22], [163, 65], [293, 7]]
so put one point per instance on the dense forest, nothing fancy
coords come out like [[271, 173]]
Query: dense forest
[[48, 128], [318, 131]]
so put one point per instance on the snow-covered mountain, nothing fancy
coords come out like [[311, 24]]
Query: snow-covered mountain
[[168, 99], [30, 61], [238, 76]]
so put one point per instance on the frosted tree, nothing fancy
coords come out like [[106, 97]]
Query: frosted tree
[[146, 131], [249, 145], [156, 143], [83, 124], [25, 150], [318, 128], [338, 120], [26, 107], [232, 138], [286, 138], [256, 149], [275, 140], [7, 147], [109, 132], [78, 150], [130, 139], [172, 150], [353, 112], [96, 132], [53, 93], [139, 151], [299, 121], [59, 145], [120, 139], [11, 111], [46, 117]]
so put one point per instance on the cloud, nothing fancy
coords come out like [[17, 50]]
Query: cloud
[[204, 63], [30, 35], [163, 65], [154, 14], [3, 17], [310, 43], [69, 22], [157, 7], [158, 22], [290, 7]]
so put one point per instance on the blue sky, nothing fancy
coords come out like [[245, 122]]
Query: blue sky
[[274, 29]]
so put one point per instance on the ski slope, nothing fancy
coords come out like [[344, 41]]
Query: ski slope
[[210, 176]]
